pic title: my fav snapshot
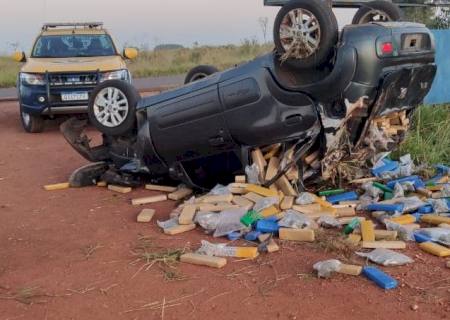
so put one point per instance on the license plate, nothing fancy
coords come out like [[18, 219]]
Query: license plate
[[74, 96]]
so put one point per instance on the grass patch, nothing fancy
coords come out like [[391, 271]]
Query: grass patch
[[180, 61], [428, 141], [9, 70]]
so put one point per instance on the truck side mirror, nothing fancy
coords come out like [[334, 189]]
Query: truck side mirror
[[19, 56], [130, 53]]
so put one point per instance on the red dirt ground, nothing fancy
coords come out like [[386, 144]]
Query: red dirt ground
[[44, 238]]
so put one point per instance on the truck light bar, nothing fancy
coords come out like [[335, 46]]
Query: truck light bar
[[90, 25]]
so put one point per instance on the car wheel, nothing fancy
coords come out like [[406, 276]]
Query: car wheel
[[112, 107], [305, 33], [199, 73], [31, 123], [377, 11]]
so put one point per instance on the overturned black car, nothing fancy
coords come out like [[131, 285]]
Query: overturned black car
[[203, 133]]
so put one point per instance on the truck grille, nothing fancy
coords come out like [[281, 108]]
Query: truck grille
[[85, 79]]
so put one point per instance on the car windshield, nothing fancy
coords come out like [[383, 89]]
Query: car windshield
[[65, 46]]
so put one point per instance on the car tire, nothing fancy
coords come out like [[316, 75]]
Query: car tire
[[31, 123], [378, 11], [321, 39], [112, 107], [199, 73]]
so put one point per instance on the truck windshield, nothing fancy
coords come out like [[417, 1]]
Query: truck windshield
[[76, 45]]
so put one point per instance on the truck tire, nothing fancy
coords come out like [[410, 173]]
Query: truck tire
[[199, 72], [377, 11], [31, 123], [112, 107], [305, 33]]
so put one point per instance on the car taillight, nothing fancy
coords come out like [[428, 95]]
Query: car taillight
[[387, 48]]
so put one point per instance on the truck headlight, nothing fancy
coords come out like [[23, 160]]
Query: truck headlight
[[115, 75], [33, 79]]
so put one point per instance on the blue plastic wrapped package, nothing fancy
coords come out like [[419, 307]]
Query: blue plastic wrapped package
[[439, 205], [398, 207], [386, 165], [420, 238], [265, 226], [440, 235], [383, 280], [347, 196], [232, 236], [252, 235], [418, 183], [426, 209]]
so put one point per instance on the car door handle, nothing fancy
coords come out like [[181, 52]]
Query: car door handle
[[293, 119]]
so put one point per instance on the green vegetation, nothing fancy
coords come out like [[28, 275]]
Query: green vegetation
[[180, 61], [8, 72], [429, 139], [166, 62]]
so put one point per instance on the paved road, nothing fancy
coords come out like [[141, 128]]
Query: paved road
[[142, 84]]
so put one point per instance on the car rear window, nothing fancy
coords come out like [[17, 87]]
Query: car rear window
[[65, 46]]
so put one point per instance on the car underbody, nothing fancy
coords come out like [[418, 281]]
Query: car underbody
[[327, 121]]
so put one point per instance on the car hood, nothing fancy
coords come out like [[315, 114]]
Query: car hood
[[41, 65]]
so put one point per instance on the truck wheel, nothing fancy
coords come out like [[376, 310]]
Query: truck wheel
[[305, 33], [199, 72], [31, 123], [112, 107], [377, 11]]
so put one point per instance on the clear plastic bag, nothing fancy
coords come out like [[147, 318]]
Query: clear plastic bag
[[173, 222], [326, 268], [386, 257], [412, 204], [265, 203], [216, 249], [252, 173], [398, 191], [441, 235], [219, 190], [439, 205], [371, 191], [207, 220], [407, 167], [305, 198], [404, 234], [446, 191], [296, 220], [328, 222], [229, 221]]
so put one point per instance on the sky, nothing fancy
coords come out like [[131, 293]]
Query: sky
[[144, 23]]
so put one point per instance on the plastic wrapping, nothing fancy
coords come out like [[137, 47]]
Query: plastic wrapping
[[398, 191], [219, 190], [326, 268], [252, 173], [305, 198], [412, 204], [216, 249], [265, 203], [173, 222], [229, 221], [386, 257], [439, 205], [441, 235], [328, 222], [207, 220], [296, 220], [371, 191], [404, 234], [446, 191]]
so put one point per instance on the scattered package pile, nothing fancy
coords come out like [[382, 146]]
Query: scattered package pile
[[394, 206]]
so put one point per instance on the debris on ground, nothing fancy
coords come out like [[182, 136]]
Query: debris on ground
[[57, 186], [367, 218]]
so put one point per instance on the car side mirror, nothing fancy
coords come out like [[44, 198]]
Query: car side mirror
[[130, 53], [19, 56]]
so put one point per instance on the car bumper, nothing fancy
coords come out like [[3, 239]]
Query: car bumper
[[40, 100]]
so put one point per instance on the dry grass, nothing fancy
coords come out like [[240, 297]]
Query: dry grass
[[148, 254], [27, 295], [8, 72]]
